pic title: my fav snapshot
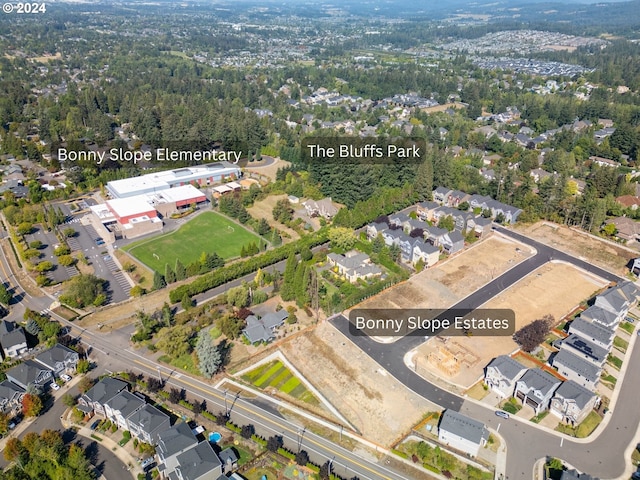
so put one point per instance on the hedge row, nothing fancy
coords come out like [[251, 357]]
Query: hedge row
[[236, 270]]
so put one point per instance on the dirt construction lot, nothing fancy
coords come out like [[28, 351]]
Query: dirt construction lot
[[578, 243], [555, 288], [375, 403], [446, 283]]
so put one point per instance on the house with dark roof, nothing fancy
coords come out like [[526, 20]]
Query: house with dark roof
[[614, 301], [575, 368], [535, 388], [601, 316], [198, 463], [376, 228], [456, 197], [10, 397], [480, 225], [119, 408], [441, 195], [12, 339], [452, 242], [462, 433], [572, 402], [354, 265], [171, 443], [59, 359], [592, 331], [147, 422], [502, 373], [398, 219], [412, 224], [30, 374], [585, 349], [434, 235], [574, 475], [263, 329], [94, 399], [229, 459]]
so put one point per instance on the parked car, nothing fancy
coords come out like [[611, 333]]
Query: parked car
[[147, 464], [55, 386], [502, 413], [99, 241], [65, 377], [95, 424]]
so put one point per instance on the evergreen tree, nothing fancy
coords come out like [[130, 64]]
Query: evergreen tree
[[288, 286], [275, 238], [158, 281], [181, 271], [423, 185], [169, 274]]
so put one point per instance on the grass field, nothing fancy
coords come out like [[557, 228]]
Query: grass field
[[208, 232], [276, 375]]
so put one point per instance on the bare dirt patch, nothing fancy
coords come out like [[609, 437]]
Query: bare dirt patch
[[445, 284], [373, 401], [580, 244], [554, 288], [264, 209], [268, 171]]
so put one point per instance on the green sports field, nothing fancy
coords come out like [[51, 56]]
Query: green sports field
[[208, 232]]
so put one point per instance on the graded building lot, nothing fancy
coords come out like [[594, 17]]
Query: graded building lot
[[207, 232], [264, 209], [578, 243], [554, 288], [446, 283], [373, 401]]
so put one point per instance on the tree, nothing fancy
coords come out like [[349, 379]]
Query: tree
[[274, 443], [230, 326], [31, 405], [282, 211], [169, 274], [83, 290], [275, 238], [4, 423], [137, 291], [154, 384], [181, 271], [302, 458], [247, 431], [24, 228], [175, 395], [5, 295], [85, 384], [68, 400], [342, 238], [69, 232], [158, 281], [533, 334], [262, 228], [238, 296], [209, 355], [174, 341], [186, 303], [447, 222], [288, 286], [325, 471], [83, 366]]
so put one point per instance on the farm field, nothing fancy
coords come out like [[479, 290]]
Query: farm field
[[208, 232], [276, 375]]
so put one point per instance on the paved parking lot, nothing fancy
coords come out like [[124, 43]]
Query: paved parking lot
[[97, 255], [49, 241]]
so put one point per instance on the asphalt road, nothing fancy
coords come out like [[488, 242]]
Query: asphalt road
[[602, 457]]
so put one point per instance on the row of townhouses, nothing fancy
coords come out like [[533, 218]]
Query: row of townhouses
[[580, 360], [179, 454]]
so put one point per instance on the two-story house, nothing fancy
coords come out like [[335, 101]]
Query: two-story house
[[452, 242], [10, 397], [592, 332], [94, 399], [171, 443], [30, 374], [441, 195], [581, 371], [425, 210], [502, 373], [536, 388], [602, 317], [59, 359], [147, 422], [12, 339], [198, 463], [585, 349], [119, 408], [426, 252], [572, 402]]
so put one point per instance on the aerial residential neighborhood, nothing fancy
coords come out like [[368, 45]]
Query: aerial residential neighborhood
[[449, 289]]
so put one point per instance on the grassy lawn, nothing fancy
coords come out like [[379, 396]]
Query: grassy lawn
[[478, 391], [628, 327], [588, 425], [620, 344], [511, 407], [538, 418], [276, 375], [185, 362], [615, 361], [208, 232], [257, 473]]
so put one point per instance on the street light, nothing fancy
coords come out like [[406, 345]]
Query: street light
[[300, 436]]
